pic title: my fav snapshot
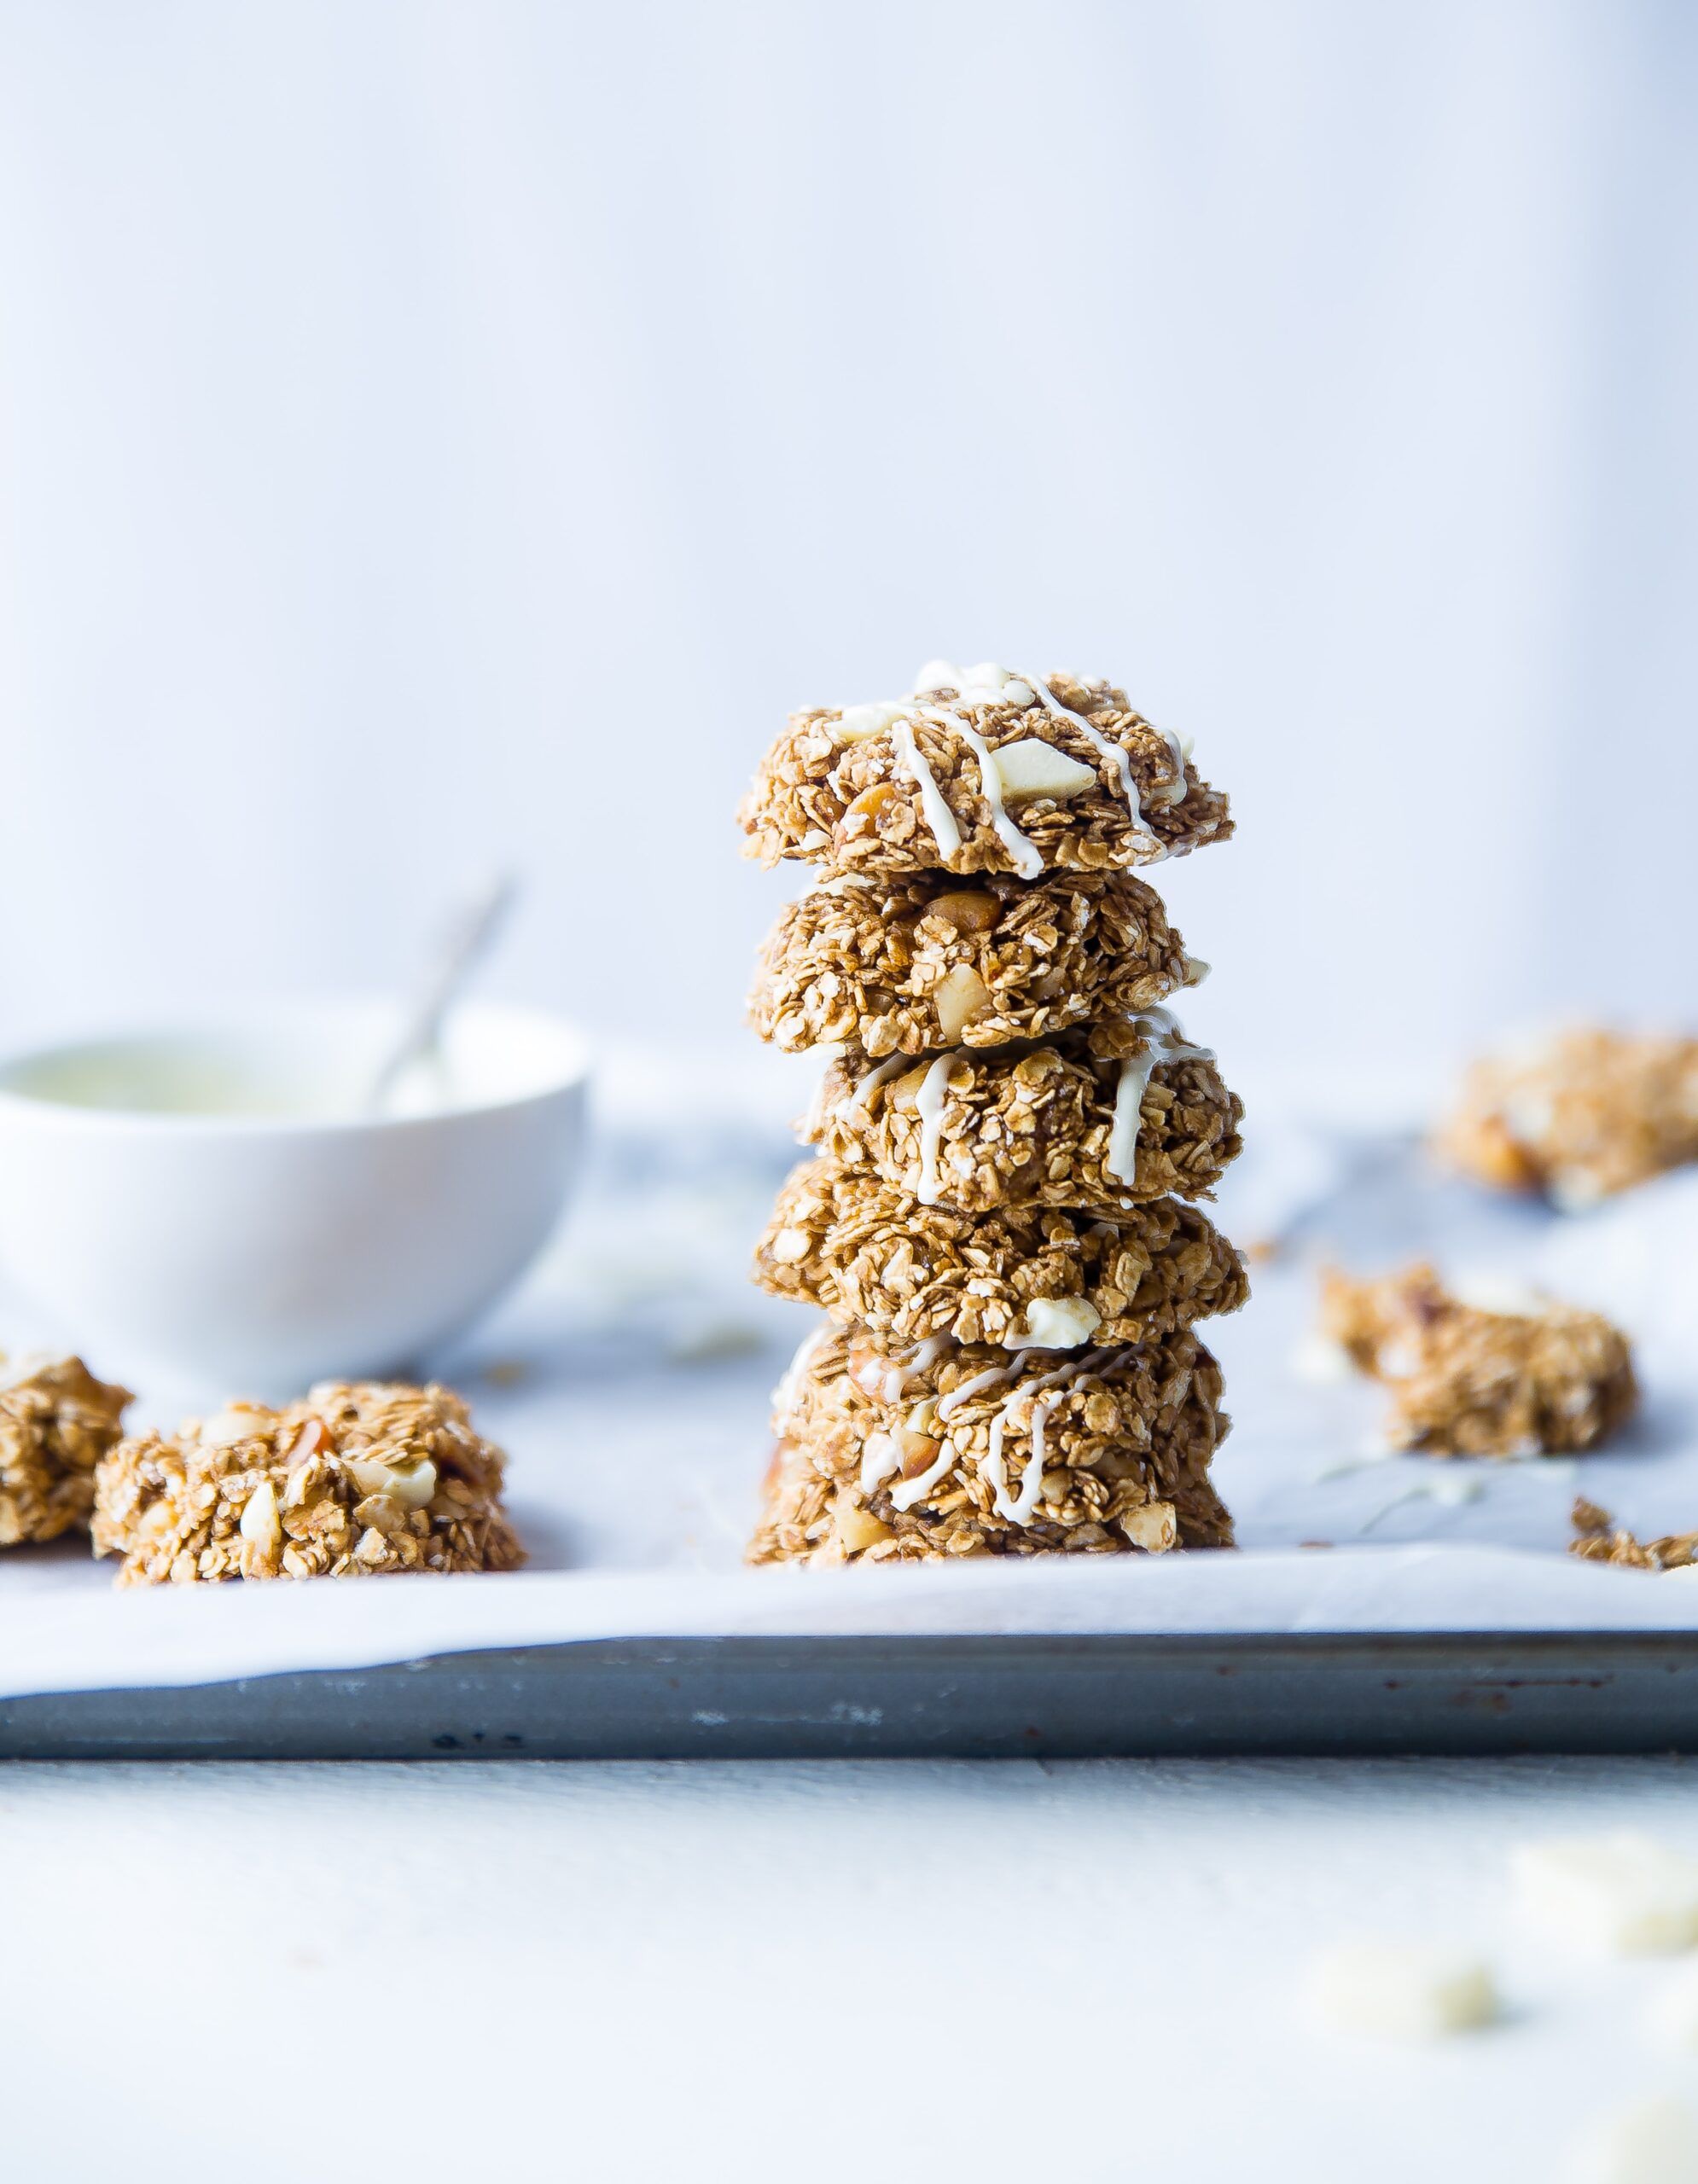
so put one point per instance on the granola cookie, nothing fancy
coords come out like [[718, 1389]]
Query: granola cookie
[[980, 770], [1467, 1381], [1096, 1119], [955, 1451], [56, 1423], [360, 1479], [1031, 1278], [1579, 1117], [905, 966]]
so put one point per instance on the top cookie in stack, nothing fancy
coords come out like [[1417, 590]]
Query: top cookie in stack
[[1008, 1125]]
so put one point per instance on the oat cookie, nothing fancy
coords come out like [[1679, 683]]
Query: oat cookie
[[360, 1479], [905, 966], [1471, 1381], [56, 1423], [981, 770], [1028, 1278], [959, 1450], [1096, 1119], [1579, 1117]]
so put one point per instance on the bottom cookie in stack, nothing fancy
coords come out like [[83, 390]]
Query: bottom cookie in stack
[[953, 1448]]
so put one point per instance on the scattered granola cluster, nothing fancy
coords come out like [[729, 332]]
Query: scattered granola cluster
[[1598, 1538], [56, 1423], [1579, 1118], [1010, 1127], [1470, 1380], [360, 1480]]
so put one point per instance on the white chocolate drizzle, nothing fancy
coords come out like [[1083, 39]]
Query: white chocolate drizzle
[[939, 816], [861, 1096], [909, 1365], [1104, 747], [929, 1103], [1019, 1508], [1163, 1041], [880, 1455], [1027, 857], [915, 1490], [784, 1395], [949, 1404]]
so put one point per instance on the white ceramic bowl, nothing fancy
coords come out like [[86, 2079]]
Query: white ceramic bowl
[[207, 1200]]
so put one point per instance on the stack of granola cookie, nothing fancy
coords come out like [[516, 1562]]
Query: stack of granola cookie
[[1001, 1220]]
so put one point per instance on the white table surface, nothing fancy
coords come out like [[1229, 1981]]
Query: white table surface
[[1070, 1971]]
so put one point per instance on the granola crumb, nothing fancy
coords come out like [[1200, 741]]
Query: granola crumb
[[360, 1480], [56, 1423], [1598, 1538], [1469, 1381]]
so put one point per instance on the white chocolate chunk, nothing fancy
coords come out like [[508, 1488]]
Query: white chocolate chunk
[[412, 1482], [1622, 1891], [1154, 1527], [1656, 2141], [1401, 1991], [1032, 767], [858, 723], [1055, 1323]]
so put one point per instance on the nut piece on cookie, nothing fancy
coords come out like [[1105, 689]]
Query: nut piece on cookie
[[943, 1450], [1019, 1279], [361, 1478], [980, 770], [1579, 1117], [1096, 1119], [1479, 1379], [56, 1423], [905, 966]]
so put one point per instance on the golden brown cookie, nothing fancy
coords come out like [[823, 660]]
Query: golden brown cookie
[[1001, 774], [1028, 1277], [908, 965], [1096, 1119], [960, 1450], [360, 1479], [56, 1423]]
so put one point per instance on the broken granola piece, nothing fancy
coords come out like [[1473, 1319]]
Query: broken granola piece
[[1468, 1381], [908, 965], [56, 1423], [1020, 1278], [1598, 1538], [360, 1479], [980, 771], [1096, 1119], [948, 1450], [1583, 1114]]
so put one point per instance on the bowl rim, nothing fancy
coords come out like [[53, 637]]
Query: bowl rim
[[212, 1021]]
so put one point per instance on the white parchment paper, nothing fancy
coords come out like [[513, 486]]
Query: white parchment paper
[[629, 1384]]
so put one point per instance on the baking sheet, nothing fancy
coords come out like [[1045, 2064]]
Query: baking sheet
[[628, 1382]]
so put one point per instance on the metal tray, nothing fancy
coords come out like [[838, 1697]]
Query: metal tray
[[917, 1697]]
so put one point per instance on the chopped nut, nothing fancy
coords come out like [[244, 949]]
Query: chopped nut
[[965, 909], [260, 1524], [960, 996]]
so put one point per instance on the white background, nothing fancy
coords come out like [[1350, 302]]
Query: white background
[[434, 433]]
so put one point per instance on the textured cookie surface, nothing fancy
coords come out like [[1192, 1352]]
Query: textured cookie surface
[[958, 1450], [360, 1479], [1029, 1277], [999, 775], [908, 965], [1579, 1117], [1466, 1381], [1096, 1119], [56, 1423]]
